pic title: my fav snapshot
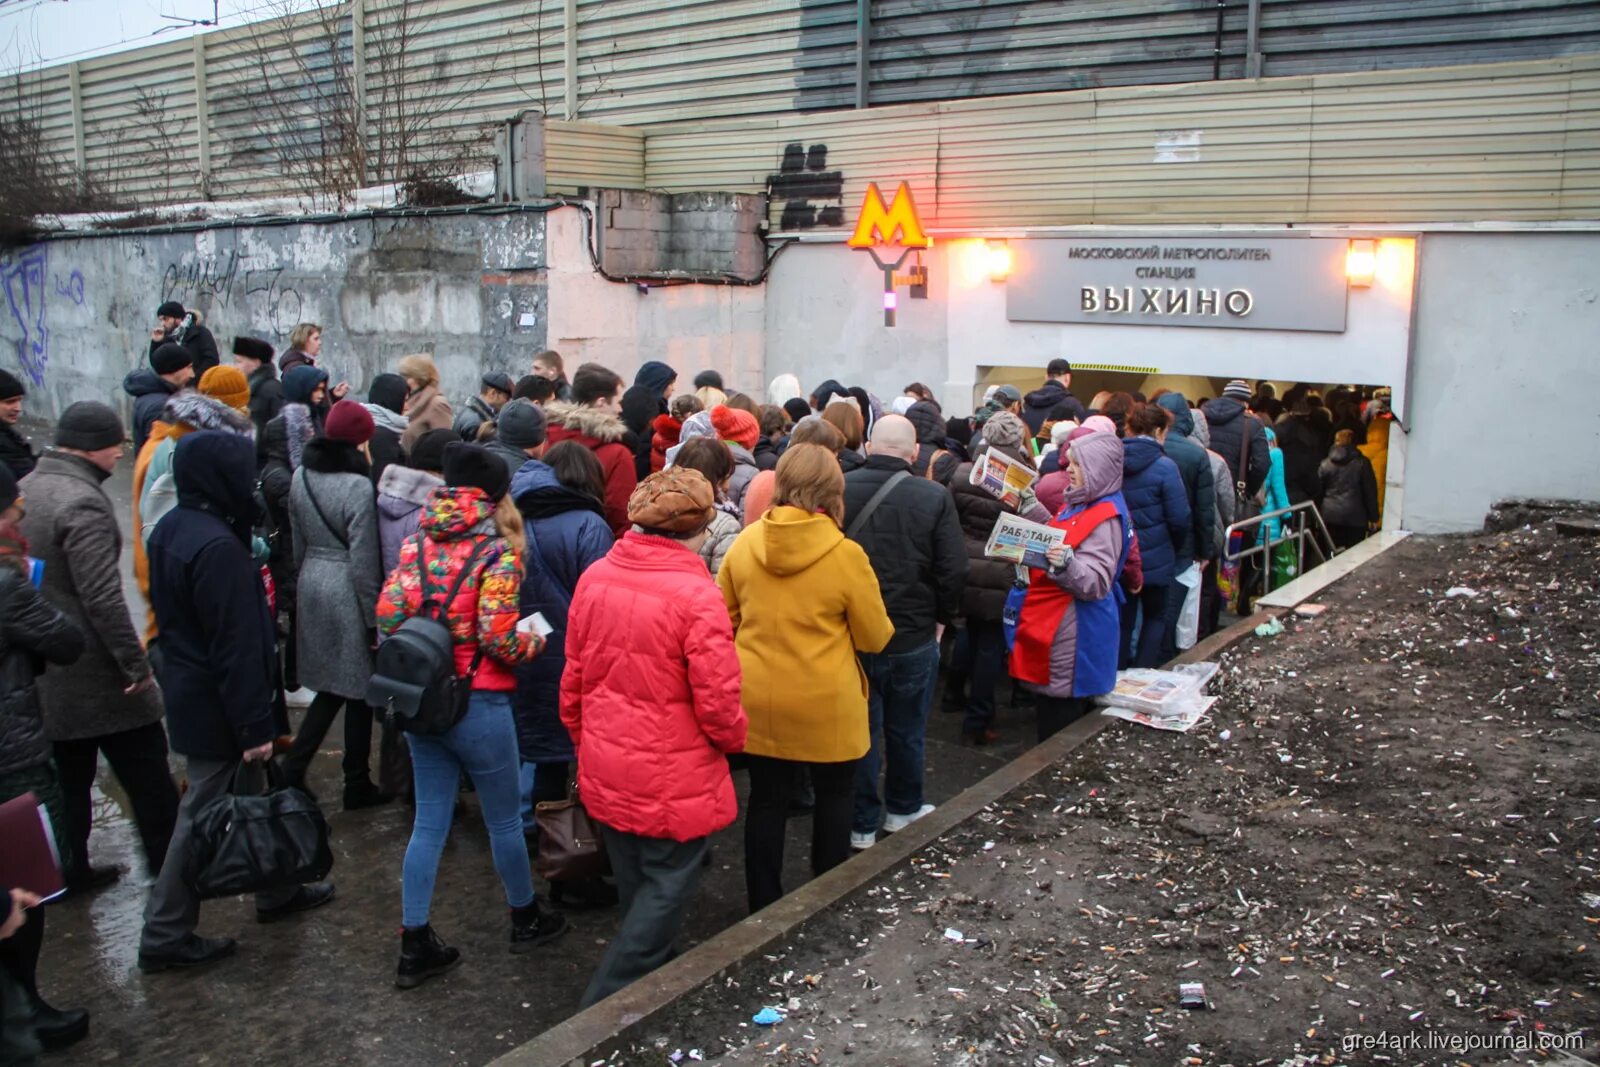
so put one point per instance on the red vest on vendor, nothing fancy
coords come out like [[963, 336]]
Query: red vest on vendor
[[1099, 621]]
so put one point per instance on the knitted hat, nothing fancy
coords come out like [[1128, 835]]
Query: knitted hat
[[227, 384], [428, 453], [389, 391], [677, 502], [88, 426], [8, 487], [11, 386], [739, 427], [475, 466], [521, 424], [170, 358], [708, 377], [1100, 424], [348, 422], [1005, 430], [1238, 389], [251, 348], [498, 380], [170, 310], [299, 382]]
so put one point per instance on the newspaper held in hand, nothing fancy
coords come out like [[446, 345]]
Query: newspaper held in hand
[[1003, 477], [1016, 540]]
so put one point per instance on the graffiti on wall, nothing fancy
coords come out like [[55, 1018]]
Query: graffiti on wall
[[23, 275], [220, 279], [811, 194]]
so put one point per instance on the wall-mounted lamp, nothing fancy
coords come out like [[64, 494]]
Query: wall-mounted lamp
[[1361, 263], [997, 258]]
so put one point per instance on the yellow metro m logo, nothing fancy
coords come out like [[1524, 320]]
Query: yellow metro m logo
[[878, 223]]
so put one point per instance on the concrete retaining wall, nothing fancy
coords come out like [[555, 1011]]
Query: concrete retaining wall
[[480, 292]]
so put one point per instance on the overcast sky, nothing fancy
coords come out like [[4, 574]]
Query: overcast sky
[[41, 32]]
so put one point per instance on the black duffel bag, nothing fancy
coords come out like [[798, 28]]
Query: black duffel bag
[[247, 843]]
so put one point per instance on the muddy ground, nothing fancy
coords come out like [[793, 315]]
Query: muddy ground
[[1381, 847]]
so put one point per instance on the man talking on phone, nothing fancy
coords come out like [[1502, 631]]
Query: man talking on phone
[[185, 328]]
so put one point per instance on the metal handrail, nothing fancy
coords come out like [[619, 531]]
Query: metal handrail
[[1300, 534]]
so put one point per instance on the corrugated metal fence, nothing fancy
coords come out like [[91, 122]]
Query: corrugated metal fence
[[367, 91], [1512, 141]]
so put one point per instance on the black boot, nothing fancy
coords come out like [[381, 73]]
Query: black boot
[[583, 893], [423, 955], [531, 926], [362, 793], [57, 1028], [19, 956]]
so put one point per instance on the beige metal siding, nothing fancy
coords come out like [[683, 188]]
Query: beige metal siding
[[660, 60], [141, 127], [1516, 141], [592, 154], [44, 97]]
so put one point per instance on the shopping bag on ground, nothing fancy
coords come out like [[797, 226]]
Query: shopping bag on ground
[[1188, 631], [246, 843], [1285, 564], [570, 848]]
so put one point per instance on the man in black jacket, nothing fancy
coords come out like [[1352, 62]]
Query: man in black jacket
[[910, 532], [186, 328], [1230, 420], [171, 370], [254, 357], [16, 452], [1038, 406], [217, 673]]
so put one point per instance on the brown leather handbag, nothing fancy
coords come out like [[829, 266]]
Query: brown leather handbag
[[570, 848]]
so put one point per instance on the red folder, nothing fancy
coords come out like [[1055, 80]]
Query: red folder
[[28, 858]]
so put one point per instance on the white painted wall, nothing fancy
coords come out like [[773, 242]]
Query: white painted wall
[[1504, 375], [825, 320], [690, 327], [1503, 365]]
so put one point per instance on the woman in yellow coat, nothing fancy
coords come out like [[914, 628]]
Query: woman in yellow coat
[[804, 601]]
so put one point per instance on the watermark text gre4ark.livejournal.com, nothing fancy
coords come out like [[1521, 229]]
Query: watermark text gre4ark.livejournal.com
[[1437, 1041]]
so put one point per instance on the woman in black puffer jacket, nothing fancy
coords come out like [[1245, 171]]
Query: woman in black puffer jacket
[[32, 632], [989, 582]]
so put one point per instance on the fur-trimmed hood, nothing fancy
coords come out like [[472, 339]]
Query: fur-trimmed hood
[[587, 422], [202, 412], [407, 485]]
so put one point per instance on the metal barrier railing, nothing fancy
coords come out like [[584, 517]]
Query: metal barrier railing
[[1290, 529]]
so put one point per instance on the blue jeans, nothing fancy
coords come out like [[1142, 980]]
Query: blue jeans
[[900, 694], [484, 744]]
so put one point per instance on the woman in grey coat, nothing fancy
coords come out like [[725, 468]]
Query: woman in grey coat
[[336, 554]]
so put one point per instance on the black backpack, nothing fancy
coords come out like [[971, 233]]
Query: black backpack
[[414, 682]]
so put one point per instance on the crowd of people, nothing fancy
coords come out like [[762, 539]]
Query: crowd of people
[[647, 590]]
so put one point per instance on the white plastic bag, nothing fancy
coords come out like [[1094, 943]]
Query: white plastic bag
[[1189, 617]]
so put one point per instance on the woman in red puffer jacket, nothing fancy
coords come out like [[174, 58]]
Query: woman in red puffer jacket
[[468, 521], [650, 696]]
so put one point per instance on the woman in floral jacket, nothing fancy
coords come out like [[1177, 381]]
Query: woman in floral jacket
[[469, 521]]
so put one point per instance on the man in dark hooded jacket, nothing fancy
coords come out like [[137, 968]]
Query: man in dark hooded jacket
[[931, 450], [1039, 406], [1303, 452], [647, 398], [1199, 544], [171, 369], [1230, 421], [218, 662]]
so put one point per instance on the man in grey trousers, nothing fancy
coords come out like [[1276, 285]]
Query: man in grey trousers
[[217, 662]]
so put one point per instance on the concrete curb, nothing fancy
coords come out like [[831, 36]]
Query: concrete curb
[[594, 1033]]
